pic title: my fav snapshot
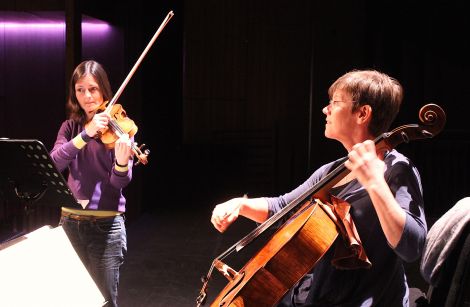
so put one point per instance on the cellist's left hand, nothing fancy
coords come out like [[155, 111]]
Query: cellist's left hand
[[369, 168], [122, 149], [365, 164]]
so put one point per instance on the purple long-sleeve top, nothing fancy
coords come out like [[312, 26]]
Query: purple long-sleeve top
[[384, 284], [92, 175]]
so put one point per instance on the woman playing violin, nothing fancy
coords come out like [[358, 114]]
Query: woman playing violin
[[383, 189], [96, 176]]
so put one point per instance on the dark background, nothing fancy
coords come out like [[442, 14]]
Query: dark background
[[229, 97]]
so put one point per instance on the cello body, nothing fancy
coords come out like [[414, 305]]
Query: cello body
[[285, 259]]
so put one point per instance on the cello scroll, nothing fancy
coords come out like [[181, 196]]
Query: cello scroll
[[432, 118]]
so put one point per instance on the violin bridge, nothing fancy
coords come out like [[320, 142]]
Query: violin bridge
[[225, 270]]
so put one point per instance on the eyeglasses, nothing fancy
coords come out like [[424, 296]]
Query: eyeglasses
[[334, 102]]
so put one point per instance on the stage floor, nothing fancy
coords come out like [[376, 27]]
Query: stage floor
[[169, 252]]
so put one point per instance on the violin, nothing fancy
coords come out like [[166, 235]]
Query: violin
[[120, 123]]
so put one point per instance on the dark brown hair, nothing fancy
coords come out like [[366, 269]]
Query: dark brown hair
[[370, 87], [85, 68]]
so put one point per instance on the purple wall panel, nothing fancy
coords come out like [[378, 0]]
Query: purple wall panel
[[32, 70]]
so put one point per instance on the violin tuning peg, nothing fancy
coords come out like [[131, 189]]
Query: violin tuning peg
[[145, 151]]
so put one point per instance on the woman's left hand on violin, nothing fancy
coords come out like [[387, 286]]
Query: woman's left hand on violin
[[123, 149], [365, 164]]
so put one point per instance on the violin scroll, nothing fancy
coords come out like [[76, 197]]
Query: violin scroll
[[140, 153]]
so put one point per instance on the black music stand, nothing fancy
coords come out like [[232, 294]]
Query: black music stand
[[29, 179], [28, 173]]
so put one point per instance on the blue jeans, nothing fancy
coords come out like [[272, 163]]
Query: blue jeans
[[101, 245]]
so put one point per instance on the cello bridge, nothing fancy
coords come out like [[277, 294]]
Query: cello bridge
[[225, 270]]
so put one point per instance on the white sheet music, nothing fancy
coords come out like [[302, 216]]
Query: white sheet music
[[42, 269]]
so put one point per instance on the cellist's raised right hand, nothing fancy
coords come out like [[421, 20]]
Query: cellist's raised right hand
[[226, 213]]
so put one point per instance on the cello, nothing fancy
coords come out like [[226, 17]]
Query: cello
[[306, 236]]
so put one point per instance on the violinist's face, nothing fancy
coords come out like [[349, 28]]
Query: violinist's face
[[88, 94], [340, 121]]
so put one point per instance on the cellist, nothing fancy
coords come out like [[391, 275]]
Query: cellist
[[384, 191]]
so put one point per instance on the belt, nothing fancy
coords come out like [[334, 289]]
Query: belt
[[80, 217]]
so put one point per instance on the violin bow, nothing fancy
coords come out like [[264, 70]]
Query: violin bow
[[139, 60]]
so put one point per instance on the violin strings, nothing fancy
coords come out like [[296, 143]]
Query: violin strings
[[119, 131]]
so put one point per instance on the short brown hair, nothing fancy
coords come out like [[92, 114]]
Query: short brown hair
[[370, 87]]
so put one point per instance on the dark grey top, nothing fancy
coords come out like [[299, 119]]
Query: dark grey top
[[384, 284]]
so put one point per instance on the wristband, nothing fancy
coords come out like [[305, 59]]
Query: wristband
[[81, 140], [85, 136], [120, 168], [120, 165]]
